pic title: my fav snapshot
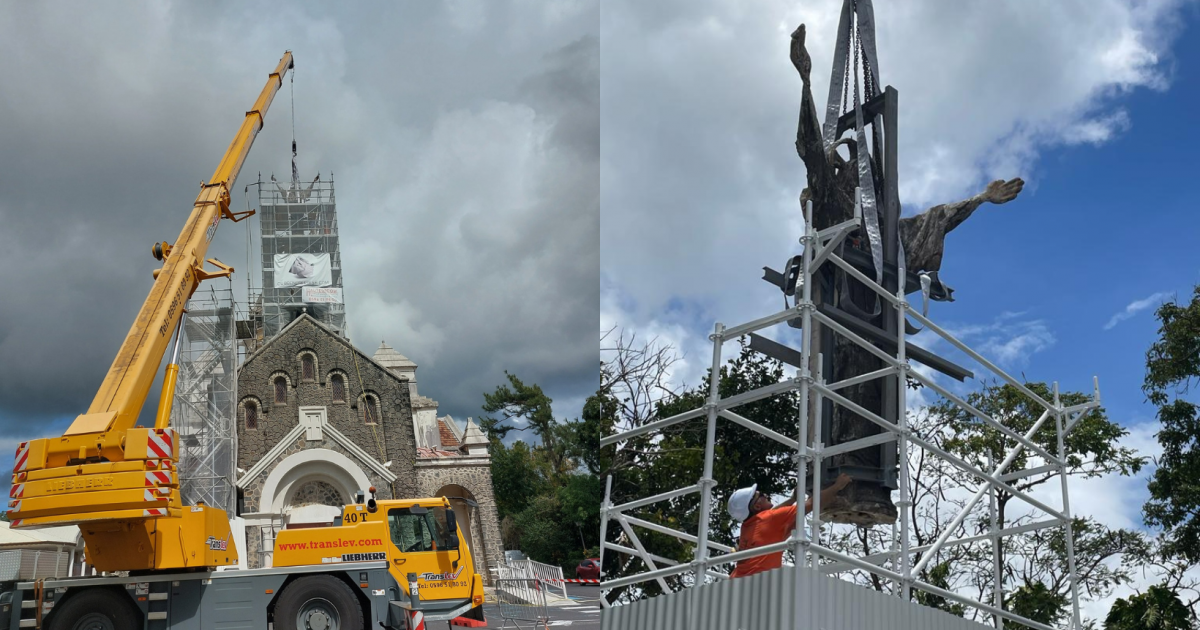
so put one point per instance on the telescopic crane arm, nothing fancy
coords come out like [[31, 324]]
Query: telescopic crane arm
[[123, 392], [95, 470]]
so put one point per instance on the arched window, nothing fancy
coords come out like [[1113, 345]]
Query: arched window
[[280, 390], [251, 415], [338, 384], [370, 409], [308, 367]]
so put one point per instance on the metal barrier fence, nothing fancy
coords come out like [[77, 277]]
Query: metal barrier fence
[[532, 569], [522, 600]]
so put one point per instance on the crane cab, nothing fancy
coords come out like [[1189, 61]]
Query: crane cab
[[426, 550]]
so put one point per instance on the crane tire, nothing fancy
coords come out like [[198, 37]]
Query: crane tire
[[318, 602], [96, 609]]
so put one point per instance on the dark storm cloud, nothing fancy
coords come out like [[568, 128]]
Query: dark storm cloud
[[463, 137]]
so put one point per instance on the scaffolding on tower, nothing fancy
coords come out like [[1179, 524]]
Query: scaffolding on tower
[[296, 218], [205, 407]]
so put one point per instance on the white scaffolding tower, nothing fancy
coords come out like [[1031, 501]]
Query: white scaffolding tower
[[895, 566], [205, 408], [296, 219]]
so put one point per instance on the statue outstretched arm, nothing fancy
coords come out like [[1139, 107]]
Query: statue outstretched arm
[[809, 144], [924, 236]]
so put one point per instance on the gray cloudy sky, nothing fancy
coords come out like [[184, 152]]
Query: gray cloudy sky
[[464, 138]]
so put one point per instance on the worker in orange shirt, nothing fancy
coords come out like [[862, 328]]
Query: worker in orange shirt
[[764, 524]]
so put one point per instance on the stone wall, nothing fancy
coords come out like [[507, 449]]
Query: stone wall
[[281, 357], [475, 475], [394, 431]]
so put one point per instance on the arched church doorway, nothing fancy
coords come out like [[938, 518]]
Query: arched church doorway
[[314, 502], [462, 501]]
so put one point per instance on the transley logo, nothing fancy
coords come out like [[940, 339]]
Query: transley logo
[[217, 544], [212, 229], [430, 577], [82, 483]]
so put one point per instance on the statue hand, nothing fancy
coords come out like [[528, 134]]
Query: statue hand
[[1001, 191], [800, 56], [842, 481]]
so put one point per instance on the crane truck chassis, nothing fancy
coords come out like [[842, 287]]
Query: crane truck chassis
[[342, 577], [390, 564]]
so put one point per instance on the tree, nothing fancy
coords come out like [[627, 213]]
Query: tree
[[529, 404], [1156, 609], [515, 477], [1172, 367], [1034, 565], [1173, 570], [1037, 602], [547, 493]]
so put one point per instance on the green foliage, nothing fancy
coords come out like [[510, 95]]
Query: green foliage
[[1035, 565], [674, 457], [742, 457], [547, 493], [515, 477], [1037, 602], [1172, 366], [939, 576], [1156, 609], [1092, 446], [543, 534], [599, 417]]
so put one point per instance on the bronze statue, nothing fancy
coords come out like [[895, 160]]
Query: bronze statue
[[832, 180]]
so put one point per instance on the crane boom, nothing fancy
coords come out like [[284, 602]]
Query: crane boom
[[123, 392], [107, 473]]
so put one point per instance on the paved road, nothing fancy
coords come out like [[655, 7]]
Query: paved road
[[582, 613]]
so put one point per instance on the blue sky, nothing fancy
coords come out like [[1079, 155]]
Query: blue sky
[[1100, 227], [1106, 219]]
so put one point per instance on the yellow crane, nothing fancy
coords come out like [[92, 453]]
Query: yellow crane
[[393, 564], [119, 481]]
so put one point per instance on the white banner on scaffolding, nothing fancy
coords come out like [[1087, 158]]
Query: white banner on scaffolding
[[302, 270], [322, 295]]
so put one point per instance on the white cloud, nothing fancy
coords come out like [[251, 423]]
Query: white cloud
[[1135, 307], [1009, 340], [699, 177]]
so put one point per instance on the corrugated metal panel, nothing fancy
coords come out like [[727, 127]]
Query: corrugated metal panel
[[30, 564], [770, 601], [10, 565]]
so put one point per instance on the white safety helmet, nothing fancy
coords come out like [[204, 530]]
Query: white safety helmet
[[739, 502]]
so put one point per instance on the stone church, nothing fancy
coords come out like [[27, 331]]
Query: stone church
[[319, 421]]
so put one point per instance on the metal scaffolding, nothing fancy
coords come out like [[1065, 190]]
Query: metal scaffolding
[[205, 407], [295, 218], [895, 566]]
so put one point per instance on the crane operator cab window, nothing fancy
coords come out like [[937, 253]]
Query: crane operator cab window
[[419, 528]]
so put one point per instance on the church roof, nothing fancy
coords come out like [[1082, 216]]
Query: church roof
[[447, 435], [305, 317], [389, 358], [473, 435]]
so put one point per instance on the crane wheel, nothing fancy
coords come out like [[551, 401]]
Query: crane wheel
[[96, 609], [318, 602]]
